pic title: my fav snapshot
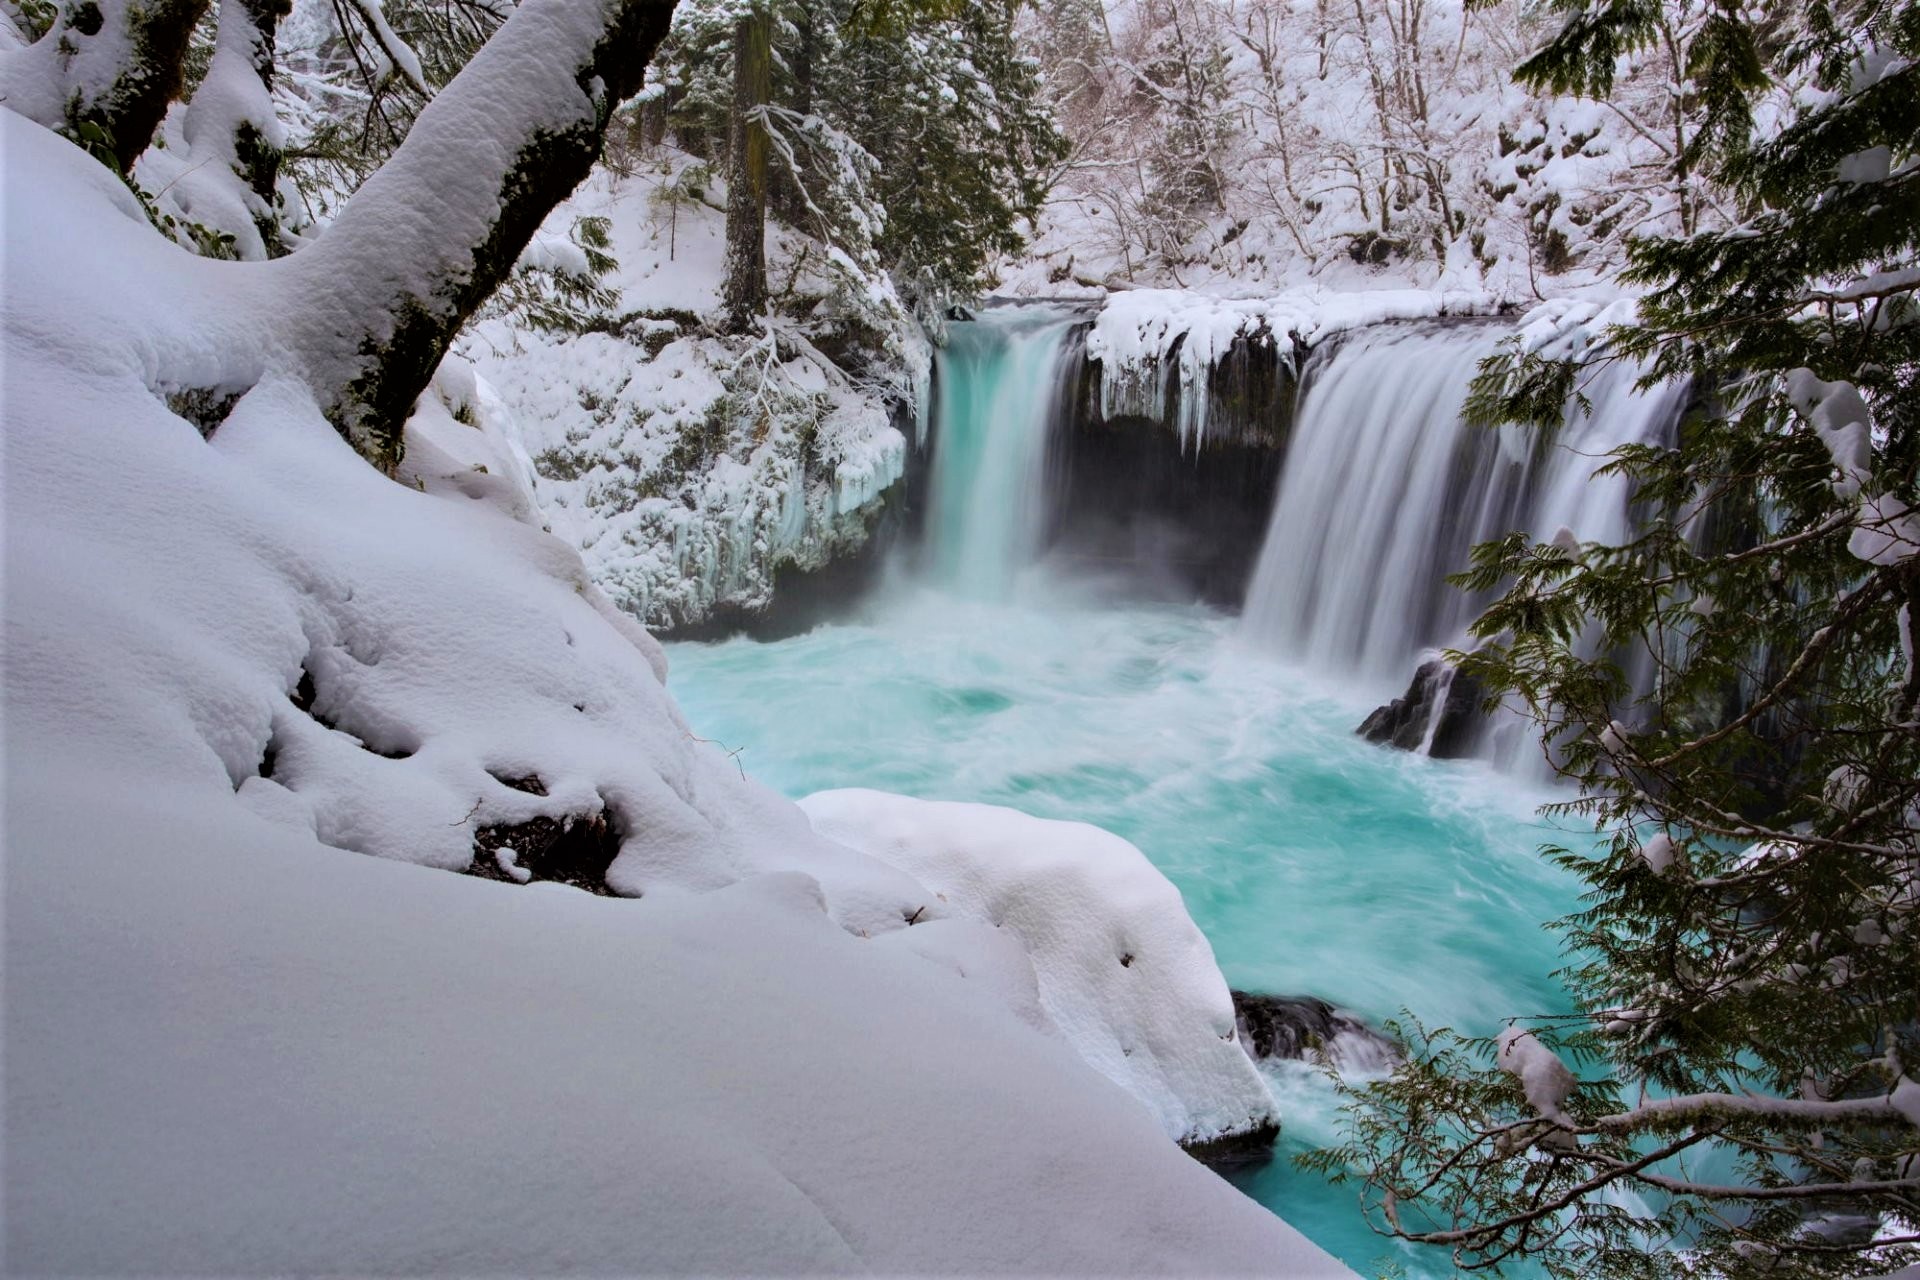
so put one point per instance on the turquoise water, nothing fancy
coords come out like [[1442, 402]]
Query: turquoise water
[[1315, 863]]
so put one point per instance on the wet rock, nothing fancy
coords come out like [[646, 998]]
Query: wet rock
[[1248, 1149], [1308, 1029], [1440, 711]]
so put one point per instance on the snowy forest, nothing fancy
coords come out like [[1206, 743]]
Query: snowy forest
[[1034, 637]]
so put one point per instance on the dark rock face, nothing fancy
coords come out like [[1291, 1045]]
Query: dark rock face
[[1191, 524], [1308, 1029], [1185, 519], [1236, 1151], [575, 850], [1440, 699]]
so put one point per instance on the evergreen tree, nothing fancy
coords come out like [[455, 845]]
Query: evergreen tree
[[1747, 965], [964, 148], [910, 139]]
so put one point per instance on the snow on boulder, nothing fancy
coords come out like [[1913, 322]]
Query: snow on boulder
[[1123, 971]]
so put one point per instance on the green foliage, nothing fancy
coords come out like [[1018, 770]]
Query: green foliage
[[964, 146], [34, 17], [1735, 694]]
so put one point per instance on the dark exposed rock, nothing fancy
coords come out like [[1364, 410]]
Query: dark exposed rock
[[1440, 701], [1308, 1029], [1188, 516], [1248, 1149], [529, 783], [205, 407], [575, 850]]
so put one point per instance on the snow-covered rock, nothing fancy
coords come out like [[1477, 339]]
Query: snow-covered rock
[[1123, 972], [237, 663]]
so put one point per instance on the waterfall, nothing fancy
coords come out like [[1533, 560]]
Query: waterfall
[[1385, 491], [1000, 386]]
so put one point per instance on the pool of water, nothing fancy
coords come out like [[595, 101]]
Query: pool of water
[[1315, 863]]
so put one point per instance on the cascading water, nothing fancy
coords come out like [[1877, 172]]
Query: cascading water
[[999, 388], [1386, 490]]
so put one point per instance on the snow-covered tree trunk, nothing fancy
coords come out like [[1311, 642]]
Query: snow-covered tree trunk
[[375, 301], [746, 286], [104, 72], [231, 127]]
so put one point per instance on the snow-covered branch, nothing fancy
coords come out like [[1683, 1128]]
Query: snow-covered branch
[[438, 227], [1783, 1113], [398, 52]]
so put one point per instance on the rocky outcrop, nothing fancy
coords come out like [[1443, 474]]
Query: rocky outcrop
[[1147, 496], [1248, 1149], [1439, 714], [1308, 1029], [1291, 1029]]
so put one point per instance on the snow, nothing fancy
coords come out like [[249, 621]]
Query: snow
[[1122, 970], [1544, 1079], [1886, 532], [237, 1044], [396, 50], [234, 1052], [199, 175], [1658, 853], [414, 224], [1905, 1098], [1220, 146], [794, 458], [1841, 420], [39, 80]]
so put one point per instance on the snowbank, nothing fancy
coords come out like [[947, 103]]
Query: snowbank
[[236, 664], [1123, 971], [231, 1051]]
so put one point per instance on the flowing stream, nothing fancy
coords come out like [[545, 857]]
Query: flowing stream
[[1315, 863]]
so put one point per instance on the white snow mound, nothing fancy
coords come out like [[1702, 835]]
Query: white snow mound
[[1123, 971]]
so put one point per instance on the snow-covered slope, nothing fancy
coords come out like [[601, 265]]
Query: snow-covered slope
[[236, 665]]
